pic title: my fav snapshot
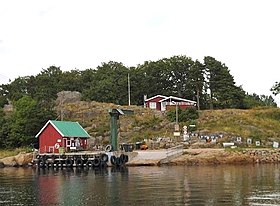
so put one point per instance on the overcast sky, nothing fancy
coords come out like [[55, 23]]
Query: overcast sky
[[243, 34]]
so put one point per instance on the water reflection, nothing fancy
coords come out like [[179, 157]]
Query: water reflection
[[212, 185]]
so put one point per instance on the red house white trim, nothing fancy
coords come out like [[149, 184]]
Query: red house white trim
[[163, 103]]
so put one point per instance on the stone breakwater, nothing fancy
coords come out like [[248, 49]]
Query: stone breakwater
[[223, 156], [264, 156]]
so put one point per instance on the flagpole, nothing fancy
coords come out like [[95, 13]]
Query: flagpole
[[128, 85]]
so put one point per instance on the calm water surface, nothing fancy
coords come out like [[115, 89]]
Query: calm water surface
[[211, 185]]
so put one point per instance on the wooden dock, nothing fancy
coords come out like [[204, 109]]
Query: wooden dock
[[80, 159]]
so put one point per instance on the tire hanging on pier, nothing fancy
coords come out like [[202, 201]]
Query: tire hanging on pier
[[79, 162], [118, 161], [108, 148], [69, 162], [96, 162], [104, 157], [125, 158], [113, 160], [41, 163], [89, 163], [50, 164], [122, 158]]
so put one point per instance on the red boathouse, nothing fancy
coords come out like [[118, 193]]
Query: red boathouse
[[62, 136]]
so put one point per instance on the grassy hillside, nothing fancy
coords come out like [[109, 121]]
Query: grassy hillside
[[259, 123]]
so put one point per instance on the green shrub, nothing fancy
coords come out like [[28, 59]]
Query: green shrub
[[183, 115]]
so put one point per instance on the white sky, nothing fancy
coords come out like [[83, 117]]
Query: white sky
[[243, 34]]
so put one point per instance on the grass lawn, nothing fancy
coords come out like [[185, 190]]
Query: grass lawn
[[12, 152]]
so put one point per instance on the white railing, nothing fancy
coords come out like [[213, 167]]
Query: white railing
[[174, 151]]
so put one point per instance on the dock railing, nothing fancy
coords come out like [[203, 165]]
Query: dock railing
[[174, 152]]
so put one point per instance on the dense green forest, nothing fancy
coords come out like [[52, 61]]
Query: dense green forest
[[33, 97]]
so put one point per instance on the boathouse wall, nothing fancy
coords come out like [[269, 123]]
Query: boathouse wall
[[50, 140]]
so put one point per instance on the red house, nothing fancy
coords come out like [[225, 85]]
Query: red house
[[163, 103], [62, 136]]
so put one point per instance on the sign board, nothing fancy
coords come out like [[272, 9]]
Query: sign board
[[176, 134], [177, 128]]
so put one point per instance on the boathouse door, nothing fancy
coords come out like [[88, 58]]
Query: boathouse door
[[65, 144]]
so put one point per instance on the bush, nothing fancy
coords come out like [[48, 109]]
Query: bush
[[183, 115]]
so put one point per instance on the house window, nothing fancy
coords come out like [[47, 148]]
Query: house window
[[68, 144], [153, 105]]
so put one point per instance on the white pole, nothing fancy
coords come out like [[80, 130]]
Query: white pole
[[176, 113], [128, 84]]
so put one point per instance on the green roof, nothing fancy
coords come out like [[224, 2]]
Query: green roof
[[69, 129]]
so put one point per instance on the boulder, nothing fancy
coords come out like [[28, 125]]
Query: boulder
[[9, 161], [23, 159], [68, 97]]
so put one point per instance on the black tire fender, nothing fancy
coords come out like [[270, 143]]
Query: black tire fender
[[125, 158], [79, 162], [96, 162], [113, 160], [122, 158], [108, 148], [89, 163], [119, 161], [104, 157], [69, 162]]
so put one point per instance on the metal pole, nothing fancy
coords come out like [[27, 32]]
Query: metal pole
[[114, 130], [128, 84], [176, 113]]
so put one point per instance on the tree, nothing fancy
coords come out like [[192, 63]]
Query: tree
[[48, 84], [154, 78], [254, 100], [26, 120], [184, 115], [3, 98], [3, 129], [70, 81], [221, 85], [197, 83], [16, 89], [109, 84], [178, 75]]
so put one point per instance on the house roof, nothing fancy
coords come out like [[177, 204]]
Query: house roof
[[155, 97], [67, 129], [177, 99]]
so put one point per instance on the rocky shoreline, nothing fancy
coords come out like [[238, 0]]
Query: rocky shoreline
[[190, 157], [20, 160], [227, 156]]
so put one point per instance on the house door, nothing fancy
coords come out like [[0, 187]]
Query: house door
[[65, 144], [163, 106]]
